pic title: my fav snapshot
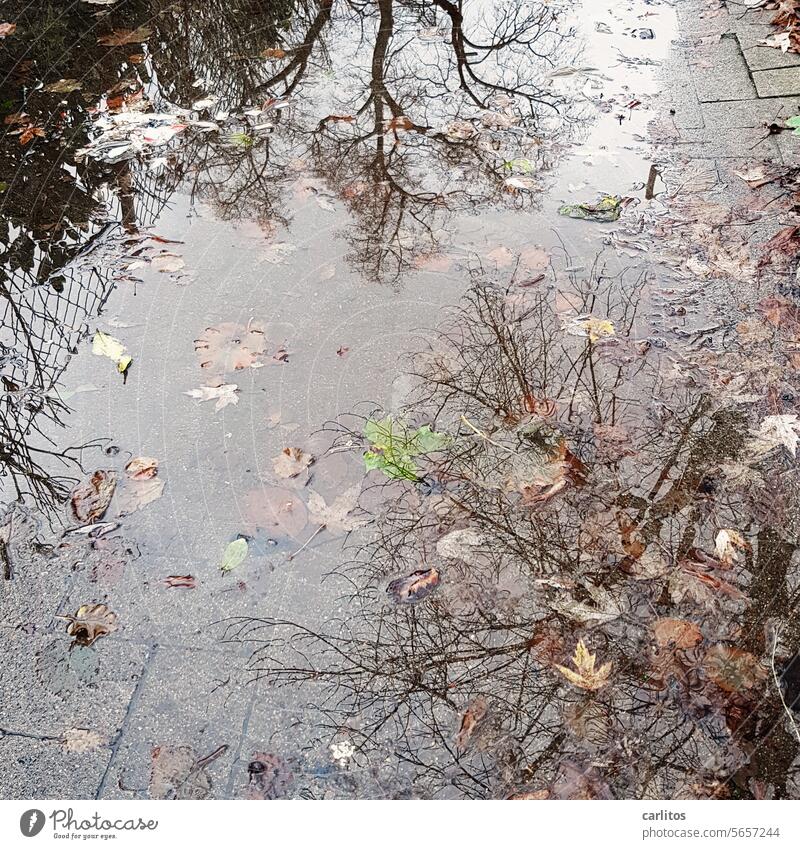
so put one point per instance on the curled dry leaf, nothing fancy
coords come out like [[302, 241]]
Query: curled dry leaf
[[291, 462], [90, 622], [90, 498], [676, 633], [585, 675], [732, 669], [414, 587], [142, 468], [470, 719], [188, 582]]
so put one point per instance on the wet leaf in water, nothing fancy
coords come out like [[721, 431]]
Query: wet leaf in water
[[224, 395], [177, 773], [168, 263], [81, 740], [594, 328], [472, 716], [90, 499], [120, 37], [676, 633], [90, 622], [413, 587], [607, 209], [585, 675], [63, 86], [138, 494], [7, 29], [732, 669], [234, 555], [606, 607], [142, 468], [185, 581], [773, 432], [394, 446], [336, 515], [291, 462], [280, 512], [269, 776], [230, 347], [105, 345]]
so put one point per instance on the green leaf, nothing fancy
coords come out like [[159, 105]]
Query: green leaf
[[234, 555], [394, 446], [794, 122]]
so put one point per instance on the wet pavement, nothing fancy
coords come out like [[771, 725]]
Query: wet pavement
[[398, 401]]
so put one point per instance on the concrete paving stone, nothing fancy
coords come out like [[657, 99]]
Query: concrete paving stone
[[711, 143], [780, 82], [187, 698], [727, 78], [766, 58], [40, 694], [692, 22], [749, 113], [44, 769], [789, 148]]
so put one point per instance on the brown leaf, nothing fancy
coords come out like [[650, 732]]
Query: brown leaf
[[414, 587], [472, 716], [676, 633], [269, 776], [732, 669], [90, 499], [81, 740], [138, 493], [278, 511], [230, 347], [187, 581], [142, 468], [336, 515], [585, 675], [7, 29], [126, 36], [291, 462], [90, 622]]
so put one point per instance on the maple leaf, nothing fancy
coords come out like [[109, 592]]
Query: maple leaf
[[729, 545], [336, 515], [585, 675], [291, 462], [223, 395], [90, 622]]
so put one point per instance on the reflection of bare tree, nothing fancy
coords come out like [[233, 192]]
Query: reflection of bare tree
[[568, 507]]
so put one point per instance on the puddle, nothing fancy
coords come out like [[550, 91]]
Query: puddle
[[309, 350]]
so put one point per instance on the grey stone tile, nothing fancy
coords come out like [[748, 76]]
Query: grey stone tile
[[727, 78], [732, 114], [780, 82], [765, 58], [44, 769]]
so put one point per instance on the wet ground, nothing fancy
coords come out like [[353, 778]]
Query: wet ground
[[398, 401]]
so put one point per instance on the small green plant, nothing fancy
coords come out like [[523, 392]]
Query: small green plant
[[394, 446], [241, 139], [794, 123]]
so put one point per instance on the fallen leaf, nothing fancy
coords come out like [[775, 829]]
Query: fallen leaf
[[291, 462], [186, 581], [470, 719], [269, 776], [230, 347], [234, 555], [105, 345], [676, 633], [137, 494], [126, 36], [177, 773], [413, 587], [336, 516], [90, 498], [81, 740], [585, 675], [90, 622], [278, 511], [729, 546], [168, 263], [594, 328], [64, 86], [732, 669], [142, 468], [773, 432], [7, 29], [224, 395], [605, 608]]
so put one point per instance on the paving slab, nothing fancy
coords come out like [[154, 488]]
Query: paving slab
[[779, 82], [727, 77]]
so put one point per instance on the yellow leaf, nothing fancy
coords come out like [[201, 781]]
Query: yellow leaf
[[585, 675]]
